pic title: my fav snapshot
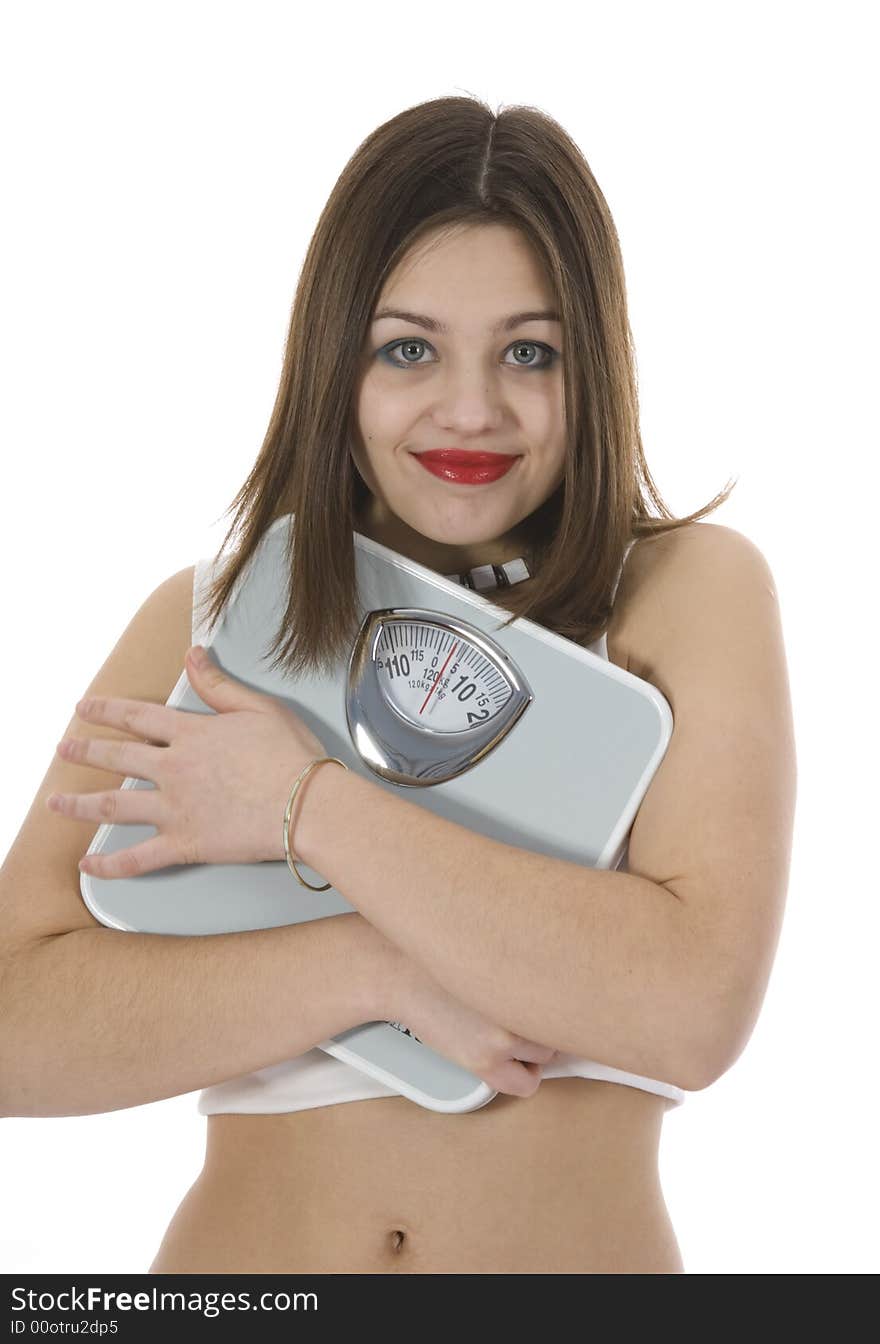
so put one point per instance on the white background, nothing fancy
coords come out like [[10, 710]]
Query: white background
[[164, 166]]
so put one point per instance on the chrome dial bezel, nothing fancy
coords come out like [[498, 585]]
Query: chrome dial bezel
[[420, 756]]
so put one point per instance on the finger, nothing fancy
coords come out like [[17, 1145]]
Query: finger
[[218, 689], [535, 1074], [119, 806], [522, 1080], [132, 862], [134, 759], [141, 718], [539, 1054]]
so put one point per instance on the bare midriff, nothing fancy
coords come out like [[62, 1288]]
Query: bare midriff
[[564, 1181]]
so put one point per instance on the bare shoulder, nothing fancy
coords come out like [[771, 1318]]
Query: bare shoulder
[[39, 878], [669, 578]]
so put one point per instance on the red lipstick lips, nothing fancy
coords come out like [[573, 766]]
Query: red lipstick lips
[[466, 468]]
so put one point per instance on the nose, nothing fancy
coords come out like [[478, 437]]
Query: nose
[[469, 400]]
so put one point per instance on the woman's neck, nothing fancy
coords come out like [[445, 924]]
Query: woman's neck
[[390, 531]]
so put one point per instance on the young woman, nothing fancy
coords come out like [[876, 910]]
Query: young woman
[[462, 302]]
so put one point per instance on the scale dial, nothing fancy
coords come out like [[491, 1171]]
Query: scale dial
[[429, 695], [435, 677]]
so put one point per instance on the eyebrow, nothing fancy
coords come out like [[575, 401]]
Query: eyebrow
[[506, 323]]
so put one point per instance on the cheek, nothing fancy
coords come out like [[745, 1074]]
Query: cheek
[[540, 408], [382, 399]]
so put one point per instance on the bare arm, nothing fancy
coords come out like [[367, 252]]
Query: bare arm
[[97, 1019], [660, 970]]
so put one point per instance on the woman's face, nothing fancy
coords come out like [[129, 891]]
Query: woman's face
[[477, 385]]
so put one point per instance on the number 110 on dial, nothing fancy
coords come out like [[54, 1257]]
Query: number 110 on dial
[[436, 677]]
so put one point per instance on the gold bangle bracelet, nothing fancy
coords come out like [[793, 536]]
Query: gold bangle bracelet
[[291, 861]]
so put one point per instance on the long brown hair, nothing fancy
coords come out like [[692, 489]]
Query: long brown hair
[[447, 163]]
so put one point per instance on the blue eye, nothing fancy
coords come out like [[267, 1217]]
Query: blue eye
[[550, 354]]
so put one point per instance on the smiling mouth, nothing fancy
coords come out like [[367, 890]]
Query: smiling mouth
[[461, 468]]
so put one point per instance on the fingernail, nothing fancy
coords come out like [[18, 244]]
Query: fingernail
[[198, 656]]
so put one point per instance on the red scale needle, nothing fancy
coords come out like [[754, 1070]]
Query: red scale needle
[[439, 676]]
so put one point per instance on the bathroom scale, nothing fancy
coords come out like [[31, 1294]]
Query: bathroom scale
[[517, 733]]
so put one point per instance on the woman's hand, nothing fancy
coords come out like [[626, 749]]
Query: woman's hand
[[222, 780], [507, 1062]]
